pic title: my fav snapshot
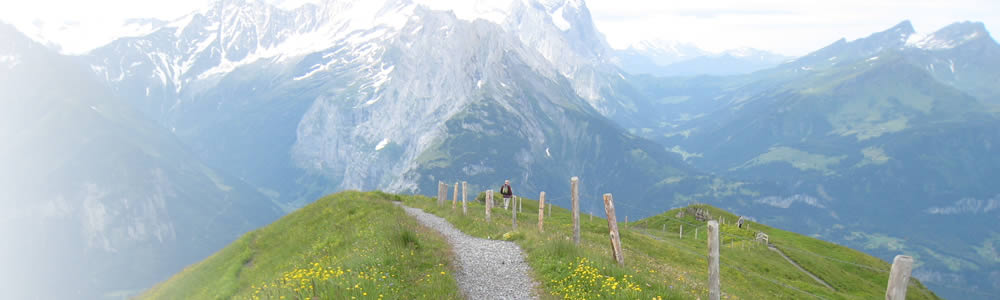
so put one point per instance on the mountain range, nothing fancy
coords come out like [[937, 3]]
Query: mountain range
[[278, 106], [664, 58], [885, 140]]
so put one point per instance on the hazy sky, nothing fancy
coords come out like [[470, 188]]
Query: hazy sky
[[787, 27]]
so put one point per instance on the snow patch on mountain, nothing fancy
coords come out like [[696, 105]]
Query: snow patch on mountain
[[558, 19], [949, 37], [786, 202], [967, 206], [933, 42], [382, 144], [495, 11]]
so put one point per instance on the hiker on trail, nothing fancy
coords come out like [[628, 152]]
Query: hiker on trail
[[507, 192]]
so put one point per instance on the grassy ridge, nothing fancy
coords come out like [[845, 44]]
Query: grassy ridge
[[662, 265], [360, 245], [348, 245]]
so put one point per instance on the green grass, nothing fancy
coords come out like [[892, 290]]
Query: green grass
[[796, 158], [343, 246], [662, 265], [354, 244]]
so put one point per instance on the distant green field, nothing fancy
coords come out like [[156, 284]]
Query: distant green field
[[660, 264], [345, 246]]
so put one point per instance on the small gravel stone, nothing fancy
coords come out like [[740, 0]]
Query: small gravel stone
[[487, 269]]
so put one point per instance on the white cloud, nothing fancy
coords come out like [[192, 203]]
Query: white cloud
[[78, 26]]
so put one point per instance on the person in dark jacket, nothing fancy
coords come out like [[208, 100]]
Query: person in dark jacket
[[507, 192]]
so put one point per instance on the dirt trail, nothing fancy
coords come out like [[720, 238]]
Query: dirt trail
[[814, 277]]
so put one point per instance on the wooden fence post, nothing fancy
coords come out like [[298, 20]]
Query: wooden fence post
[[465, 187], [541, 211], [489, 204], [899, 277], [513, 213], [454, 197], [681, 233], [575, 198], [439, 193], [616, 241], [696, 233], [550, 211], [713, 260], [520, 204]]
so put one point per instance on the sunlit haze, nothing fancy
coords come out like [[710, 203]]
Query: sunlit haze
[[787, 27]]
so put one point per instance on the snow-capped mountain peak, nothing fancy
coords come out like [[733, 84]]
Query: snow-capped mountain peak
[[950, 36], [661, 47], [230, 33]]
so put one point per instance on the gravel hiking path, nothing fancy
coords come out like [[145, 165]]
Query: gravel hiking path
[[487, 269]]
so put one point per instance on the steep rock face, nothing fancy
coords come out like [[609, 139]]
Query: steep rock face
[[362, 88], [84, 171], [439, 65]]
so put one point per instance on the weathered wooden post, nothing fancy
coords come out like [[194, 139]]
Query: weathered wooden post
[[681, 233], [513, 213], [550, 211], [520, 204], [541, 211], [454, 197], [439, 193], [899, 277], [465, 208], [489, 204], [696, 233], [616, 241], [713, 260], [575, 198]]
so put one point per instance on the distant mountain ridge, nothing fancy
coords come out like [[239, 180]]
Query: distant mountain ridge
[[963, 55], [889, 120], [663, 58]]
